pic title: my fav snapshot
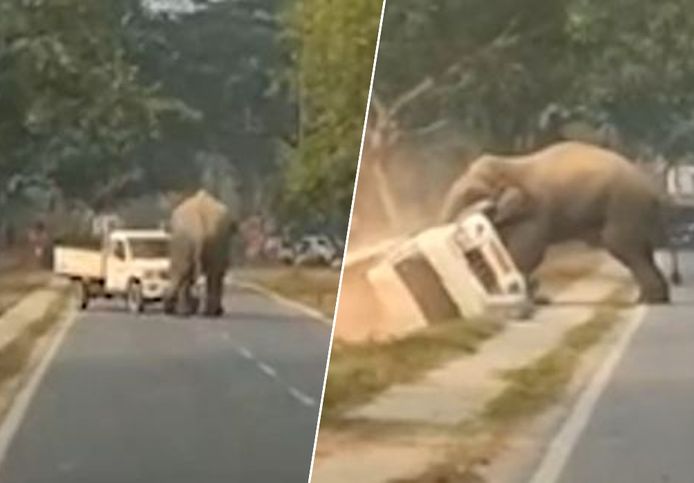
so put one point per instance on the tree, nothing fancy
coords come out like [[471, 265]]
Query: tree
[[334, 45], [500, 65], [72, 106], [517, 75], [221, 59]]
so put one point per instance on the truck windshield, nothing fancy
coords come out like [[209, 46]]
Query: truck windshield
[[149, 247]]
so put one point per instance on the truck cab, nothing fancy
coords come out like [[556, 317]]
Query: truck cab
[[136, 263]]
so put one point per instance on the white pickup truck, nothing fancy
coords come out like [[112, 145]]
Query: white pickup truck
[[459, 269], [133, 264]]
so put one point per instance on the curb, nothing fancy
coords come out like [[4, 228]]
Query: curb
[[282, 300], [29, 375], [30, 310]]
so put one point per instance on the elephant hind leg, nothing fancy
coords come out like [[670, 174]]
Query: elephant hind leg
[[179, 299], [214, 289], [637, 256]]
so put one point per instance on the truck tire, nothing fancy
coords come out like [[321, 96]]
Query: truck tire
[[82, 291], [134, 297]]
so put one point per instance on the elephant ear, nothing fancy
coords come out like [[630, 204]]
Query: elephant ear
[[512, 204]]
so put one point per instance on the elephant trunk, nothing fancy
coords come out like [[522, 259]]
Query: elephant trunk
[[456, 209], [451, 208]]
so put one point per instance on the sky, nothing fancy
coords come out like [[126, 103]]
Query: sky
[[175, 6]]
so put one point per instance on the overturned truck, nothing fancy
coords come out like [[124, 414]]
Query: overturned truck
[[458, 270]]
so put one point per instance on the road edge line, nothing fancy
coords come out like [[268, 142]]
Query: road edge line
[[560, 448], [16, 413], [286, 301]]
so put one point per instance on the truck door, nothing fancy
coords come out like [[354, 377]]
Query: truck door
[[117, 267]]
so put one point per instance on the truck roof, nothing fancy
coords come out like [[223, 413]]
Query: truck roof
[[139, 234]]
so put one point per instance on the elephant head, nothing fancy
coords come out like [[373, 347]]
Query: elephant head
[[490, 185]]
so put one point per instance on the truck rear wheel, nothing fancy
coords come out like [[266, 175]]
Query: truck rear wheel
[[134, 297]]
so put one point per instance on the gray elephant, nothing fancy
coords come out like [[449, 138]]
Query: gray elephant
[[569, 191], [201, 230]]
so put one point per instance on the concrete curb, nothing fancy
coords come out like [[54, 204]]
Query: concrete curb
[[19, 387], [31, 309], [287, 302]]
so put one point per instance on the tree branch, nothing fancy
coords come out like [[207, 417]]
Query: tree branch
[[115, 185], [428, 83]]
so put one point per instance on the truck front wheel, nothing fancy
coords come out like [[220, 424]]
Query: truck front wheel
[[135, 299]]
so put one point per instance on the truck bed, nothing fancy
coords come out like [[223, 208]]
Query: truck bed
[[78, 262]]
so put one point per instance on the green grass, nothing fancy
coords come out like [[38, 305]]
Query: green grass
[[314, 287], [533, 388], [359, 372]]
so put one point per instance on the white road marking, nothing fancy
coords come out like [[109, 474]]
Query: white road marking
[[246, 353], [19, 408], [563, 444], [267, 369], [301, 397], [271, 372]]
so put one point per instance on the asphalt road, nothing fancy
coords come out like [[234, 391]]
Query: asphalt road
[[152, 398], [642, 427]]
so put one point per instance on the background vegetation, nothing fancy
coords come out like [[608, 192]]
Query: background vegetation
[[101, 102], [455, 78]]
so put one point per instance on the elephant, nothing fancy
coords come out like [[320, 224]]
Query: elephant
[[570, 191], [201, 230]]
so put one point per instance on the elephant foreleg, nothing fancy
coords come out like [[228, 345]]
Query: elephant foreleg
[[170, 300], [526, 244]]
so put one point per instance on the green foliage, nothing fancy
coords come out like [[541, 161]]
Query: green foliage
[[334, 47], [71, 104], [222, 62]]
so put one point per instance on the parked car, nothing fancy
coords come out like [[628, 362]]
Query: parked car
[[315, 250], [286, 252]]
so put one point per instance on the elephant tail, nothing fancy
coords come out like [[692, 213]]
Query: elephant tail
[[665, 236]]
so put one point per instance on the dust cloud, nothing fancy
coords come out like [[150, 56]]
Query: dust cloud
[[397, 195]]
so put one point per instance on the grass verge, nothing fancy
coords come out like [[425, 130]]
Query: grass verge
[[17, 282], [358, 372], [534, 387], [14, 356], [314, 287], [529, 391]]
